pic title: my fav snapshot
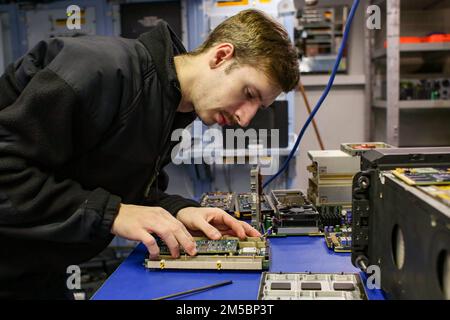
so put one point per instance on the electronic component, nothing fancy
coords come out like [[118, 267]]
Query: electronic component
[[332, 164], [229, 253], [338, 238], [333, 216], [441, 193], [244, 206], [331, 182], [256, 194], [280, 286], [317, 36], [424, 89], [336, 224], [329, 216], [221, 200], [333, 170], [423, 176], [357, 149], [294, 214], [391, 159], [399, 227], [206, 246], [311, 286], [330, 189]]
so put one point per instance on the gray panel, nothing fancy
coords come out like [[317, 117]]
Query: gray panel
[[48, 23], [6, 56]]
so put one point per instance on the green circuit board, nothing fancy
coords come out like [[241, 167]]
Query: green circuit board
[[423, 176], [225, 246]]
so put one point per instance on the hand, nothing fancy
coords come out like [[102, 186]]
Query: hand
[[214, 223], [137, 222]]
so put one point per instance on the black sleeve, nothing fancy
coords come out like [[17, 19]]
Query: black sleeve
[[37, 133], [171, 203]]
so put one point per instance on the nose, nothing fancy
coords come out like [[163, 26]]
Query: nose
[[245, 113]]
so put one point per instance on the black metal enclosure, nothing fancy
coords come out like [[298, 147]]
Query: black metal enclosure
[[400, 228]]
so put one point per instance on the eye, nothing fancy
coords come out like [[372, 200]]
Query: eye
[[248, 94]]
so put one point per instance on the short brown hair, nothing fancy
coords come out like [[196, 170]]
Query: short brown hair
[[260, 42]]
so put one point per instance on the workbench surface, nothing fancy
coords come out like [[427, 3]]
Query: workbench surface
[[132, 280]]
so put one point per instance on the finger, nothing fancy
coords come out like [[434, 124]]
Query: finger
[[150, 242], [183, 236], [221, 227], [181, 226], [196, 233], [188, 234], [235, 225], [171, 243], [186, 240], [207, 229], [250, 231], [228, 232]]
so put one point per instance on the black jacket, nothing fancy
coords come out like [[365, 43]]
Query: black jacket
[[85, 124]]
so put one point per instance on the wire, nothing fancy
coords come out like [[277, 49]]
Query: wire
[[324, 94], [308, 107]]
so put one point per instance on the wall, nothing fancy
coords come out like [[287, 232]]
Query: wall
[[342, 116]]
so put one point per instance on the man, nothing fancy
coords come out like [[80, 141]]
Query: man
[[85, 125]]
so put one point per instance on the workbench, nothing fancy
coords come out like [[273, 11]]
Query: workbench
[[133, 281]]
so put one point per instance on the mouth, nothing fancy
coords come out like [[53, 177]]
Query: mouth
[[222, 120]]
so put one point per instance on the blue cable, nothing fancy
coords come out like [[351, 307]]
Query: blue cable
[[324, 95]]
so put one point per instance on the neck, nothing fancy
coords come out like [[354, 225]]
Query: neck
[[186, 77]]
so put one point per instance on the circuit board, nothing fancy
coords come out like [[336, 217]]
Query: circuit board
[[423, 176], [244, 203], [339, 238], [228, 253], [294, 214], [221, 200], [334, 215], [357, 149], [256, 191], [206, 246], [311, 286], [441, 193]]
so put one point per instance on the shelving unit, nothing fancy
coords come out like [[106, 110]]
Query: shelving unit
[[415, 104], [317, 36], [414, 47], [411, 123]]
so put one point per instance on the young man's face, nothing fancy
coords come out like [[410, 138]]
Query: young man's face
[[232, 96]]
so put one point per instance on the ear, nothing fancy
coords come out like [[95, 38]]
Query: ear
[[220, 54]]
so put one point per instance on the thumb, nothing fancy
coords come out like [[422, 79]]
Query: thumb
[[207, 229]]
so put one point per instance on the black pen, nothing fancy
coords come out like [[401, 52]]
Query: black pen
[[224, 283]]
